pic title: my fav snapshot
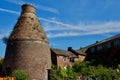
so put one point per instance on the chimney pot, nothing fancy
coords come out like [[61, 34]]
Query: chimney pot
[[69, 48]]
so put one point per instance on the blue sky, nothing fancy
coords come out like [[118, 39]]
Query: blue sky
[[67, 23]]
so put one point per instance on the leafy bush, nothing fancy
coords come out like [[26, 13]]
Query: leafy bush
[[5, 39], [87, 70], [59, 73], [7, 78], [20, 75]]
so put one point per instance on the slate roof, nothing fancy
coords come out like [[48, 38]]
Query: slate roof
[[103, 41], [81, 52], [63, 52]]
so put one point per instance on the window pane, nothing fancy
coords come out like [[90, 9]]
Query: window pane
[[108, 45], [92, 50], [99, 48], [64, 58], [116, 42], [71, 59]]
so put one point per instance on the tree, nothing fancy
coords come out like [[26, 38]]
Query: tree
[[1, 65], [5, 39]]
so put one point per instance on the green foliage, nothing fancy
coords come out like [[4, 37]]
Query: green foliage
[[87, 70], [1, 61], [70, 73], [7, 78], [20, 75], [1, 65], [62, 73], [103, 73], [118, 67], [5, 39]]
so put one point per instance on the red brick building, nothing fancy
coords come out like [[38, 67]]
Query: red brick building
[[104, 52], [63, 58]]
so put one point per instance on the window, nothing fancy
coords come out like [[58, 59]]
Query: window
[[117, 42], [71, 59], [108, 45], [64, 58], [99, 48], [92, 50]]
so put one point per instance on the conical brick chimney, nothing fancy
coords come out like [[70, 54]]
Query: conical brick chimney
[[28, 48]]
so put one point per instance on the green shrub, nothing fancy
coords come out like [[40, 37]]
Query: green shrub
[[85, 69], [20, 75], [7, 78]]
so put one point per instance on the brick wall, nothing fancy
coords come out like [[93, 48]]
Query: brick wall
[[31, 56]]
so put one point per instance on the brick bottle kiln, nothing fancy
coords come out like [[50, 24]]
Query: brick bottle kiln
[[28, 48]]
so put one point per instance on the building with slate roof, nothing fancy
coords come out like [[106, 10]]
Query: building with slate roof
[[104, 52], [64, 58]]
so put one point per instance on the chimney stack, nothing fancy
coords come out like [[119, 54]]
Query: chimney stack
[[29, 8]]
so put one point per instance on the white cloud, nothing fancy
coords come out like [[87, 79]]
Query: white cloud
[[41, 7], [9, 11], [56, 28], [63, 34], [45, 8], [53, 21], [82, 29], [59, 25], [19, 2]]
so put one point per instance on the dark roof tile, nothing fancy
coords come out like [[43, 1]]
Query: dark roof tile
[[63, 52]]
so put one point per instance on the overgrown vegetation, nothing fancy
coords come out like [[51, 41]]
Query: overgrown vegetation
[[5, 39], [20, 75], [85, 70], [1, 65], [7, 78]]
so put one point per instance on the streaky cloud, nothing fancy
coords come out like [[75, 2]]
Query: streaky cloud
[[83, 29], [43, 19], [63, 34], [53, 21], [80, 29], [41, 7], [19, 2], [45, 8], [59, 25], [9, 11]]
